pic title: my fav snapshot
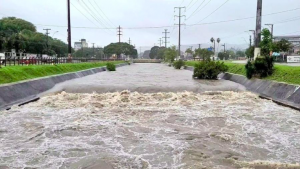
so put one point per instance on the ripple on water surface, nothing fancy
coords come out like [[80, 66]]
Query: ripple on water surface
[[161, 130]]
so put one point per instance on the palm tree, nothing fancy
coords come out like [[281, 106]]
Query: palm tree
[[218, 40]]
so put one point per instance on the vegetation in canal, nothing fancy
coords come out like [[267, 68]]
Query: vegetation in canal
[[110, 66], [179, 64], [209, 69], [19, 73]]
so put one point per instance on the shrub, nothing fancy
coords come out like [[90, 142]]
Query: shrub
[[178, 64], [209, 69], [110, 66], [250, 69], [261, 67]]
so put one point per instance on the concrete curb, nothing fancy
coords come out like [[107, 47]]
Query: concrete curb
[[26, 91], [281, 93]]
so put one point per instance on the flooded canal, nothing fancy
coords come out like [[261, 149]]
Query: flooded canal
[[145, 78], [165, 127]]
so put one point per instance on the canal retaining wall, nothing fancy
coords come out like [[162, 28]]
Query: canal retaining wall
[[26, 91], [281, 93]]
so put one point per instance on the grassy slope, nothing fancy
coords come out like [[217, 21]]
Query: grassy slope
[[287, 74], [12, 74]]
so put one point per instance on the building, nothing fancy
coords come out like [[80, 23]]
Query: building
[[78, 45], [294, 40]]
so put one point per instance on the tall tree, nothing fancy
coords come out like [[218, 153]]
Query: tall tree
[[250, 52], [154, 52], [204, 53], [170, 54], [120, 48], [266, 43], [240, 53], [281, 46], [161, 52]]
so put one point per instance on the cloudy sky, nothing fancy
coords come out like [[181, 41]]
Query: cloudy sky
[[138, 17]]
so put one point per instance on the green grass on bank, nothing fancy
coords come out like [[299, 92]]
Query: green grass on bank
[[12, 74], [282, 73]]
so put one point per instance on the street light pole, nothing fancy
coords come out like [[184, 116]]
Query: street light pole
[[272, 27], [254, 35], [54, 34]]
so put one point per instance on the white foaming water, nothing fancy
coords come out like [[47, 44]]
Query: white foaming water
[[161, 130]]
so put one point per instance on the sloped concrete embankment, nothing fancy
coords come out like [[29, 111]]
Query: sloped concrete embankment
[[281, 93], [22, 92]]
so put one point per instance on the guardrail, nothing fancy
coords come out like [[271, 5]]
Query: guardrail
[[20, 61]]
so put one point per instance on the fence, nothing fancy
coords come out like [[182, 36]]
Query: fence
[[20, 61]]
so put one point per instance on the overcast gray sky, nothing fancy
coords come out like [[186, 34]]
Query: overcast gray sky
[[154, 13]]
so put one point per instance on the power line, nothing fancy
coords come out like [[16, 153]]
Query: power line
[[99, 13], [97, 19], [193, 4], [203, 6], [288, 20], [83, 14], [214, 11], [189, 4], [181, 2], [196, 9], [89, 12], [171, 26], [103, 13]]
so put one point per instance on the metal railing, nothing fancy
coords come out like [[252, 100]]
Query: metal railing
[[21, 61]]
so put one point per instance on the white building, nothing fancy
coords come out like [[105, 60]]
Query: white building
[[78, 45]]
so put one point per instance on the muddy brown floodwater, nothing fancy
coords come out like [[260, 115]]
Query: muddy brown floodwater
[[159, 130]]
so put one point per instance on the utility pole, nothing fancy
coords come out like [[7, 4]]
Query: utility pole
[[272, 27], [250, 41], [47, 33], [159, 42], [82, 48], [258, 28], [179, 24], [69, 29], [224, 47], [140, 52], [93, 49], [166, 38], [119, 33], [129, 41]]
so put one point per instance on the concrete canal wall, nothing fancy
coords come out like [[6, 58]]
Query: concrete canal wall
[[281, 93], [22, 92]]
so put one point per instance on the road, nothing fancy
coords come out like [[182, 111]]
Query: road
[[286, 64], [156, 125]]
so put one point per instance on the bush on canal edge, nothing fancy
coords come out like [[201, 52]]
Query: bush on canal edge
[[261, 67], [110, 66]]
